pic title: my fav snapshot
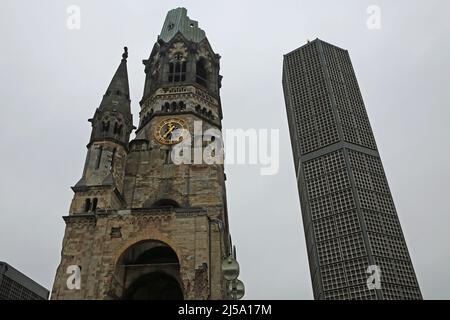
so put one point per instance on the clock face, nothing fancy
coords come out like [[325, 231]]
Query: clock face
[[170, 131]]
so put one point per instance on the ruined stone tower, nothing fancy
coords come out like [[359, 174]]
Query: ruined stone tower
[[140, 225]]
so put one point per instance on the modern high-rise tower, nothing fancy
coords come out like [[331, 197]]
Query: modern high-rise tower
[[141, 225], [350, 222]]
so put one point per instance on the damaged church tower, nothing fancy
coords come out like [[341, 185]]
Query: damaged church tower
[[141, 226]]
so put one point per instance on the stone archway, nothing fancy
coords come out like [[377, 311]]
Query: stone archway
[[148, 270]]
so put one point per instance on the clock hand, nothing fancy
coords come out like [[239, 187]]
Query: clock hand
[[171, 128]]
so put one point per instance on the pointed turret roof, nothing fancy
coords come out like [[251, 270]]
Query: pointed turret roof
[[117, 96]]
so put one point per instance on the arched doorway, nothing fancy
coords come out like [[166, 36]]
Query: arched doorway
[[148, 270]]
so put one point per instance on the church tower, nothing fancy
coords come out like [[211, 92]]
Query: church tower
[[149, 217]]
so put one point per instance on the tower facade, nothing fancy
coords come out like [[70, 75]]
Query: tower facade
[[350, 222], [142, 224]]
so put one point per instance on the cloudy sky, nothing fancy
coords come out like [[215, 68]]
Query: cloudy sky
[[52, 79]]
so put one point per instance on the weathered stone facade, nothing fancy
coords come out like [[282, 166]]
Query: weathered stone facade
[[140, 226]]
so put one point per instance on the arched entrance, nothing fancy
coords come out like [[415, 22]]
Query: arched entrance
[[148, 270]]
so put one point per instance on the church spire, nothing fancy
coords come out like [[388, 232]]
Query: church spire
[[113, 119], [117, 96], [112, 125]]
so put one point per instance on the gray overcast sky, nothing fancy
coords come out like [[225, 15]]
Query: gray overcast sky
[[53, 78]]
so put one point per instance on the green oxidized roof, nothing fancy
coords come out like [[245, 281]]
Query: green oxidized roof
[[178, 21]]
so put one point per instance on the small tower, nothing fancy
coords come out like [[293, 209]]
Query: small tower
[[98, 193], [101, 185]]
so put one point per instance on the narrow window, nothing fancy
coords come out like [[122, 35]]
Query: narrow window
[[174, 106], [117, 128], [167, 160], [112, 159], [87, 205], [177, 70], [99, 157], [94, 204], [105, 126], [201, 74]]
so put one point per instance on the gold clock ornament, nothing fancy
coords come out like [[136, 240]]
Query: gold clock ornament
[[170, 131]]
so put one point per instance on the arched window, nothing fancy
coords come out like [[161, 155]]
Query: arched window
[[94, 204], [113, 157], [99, 157], [87, 205], [174, 106], [105, 126], [117, 128], [182, 106], [201, 73], [167, 107], [177, 71]]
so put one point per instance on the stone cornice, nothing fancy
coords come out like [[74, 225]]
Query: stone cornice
[[191, 89], [136, 212]]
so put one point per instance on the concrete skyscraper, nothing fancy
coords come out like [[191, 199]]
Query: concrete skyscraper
[[350, 221]]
